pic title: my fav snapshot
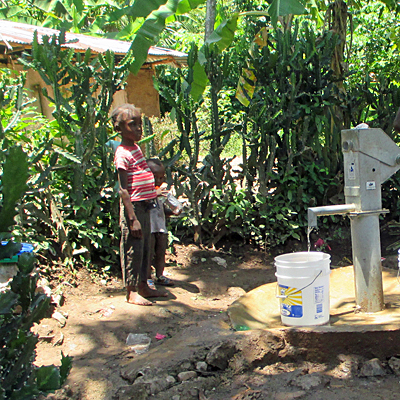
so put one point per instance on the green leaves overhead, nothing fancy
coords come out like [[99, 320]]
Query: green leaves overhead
[[221, 38], [224, 34], [185, 6], [148, 33], [200, 81], [280, 8], [143, 8]]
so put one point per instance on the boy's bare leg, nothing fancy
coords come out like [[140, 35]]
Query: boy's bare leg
[[133, 297], [145, 291]]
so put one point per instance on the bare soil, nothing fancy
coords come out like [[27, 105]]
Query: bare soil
[[183, 329]]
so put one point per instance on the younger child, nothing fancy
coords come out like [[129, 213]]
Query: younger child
[[159, 233], [137, 193]]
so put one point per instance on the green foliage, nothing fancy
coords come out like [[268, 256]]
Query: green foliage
[[20, 308], [13, 180], [15, 167], [287, 133], [141, 21], [291, 148], [50, 377], [290, 195], [82, 93], [374, 46], [154, 24], [15, 174]]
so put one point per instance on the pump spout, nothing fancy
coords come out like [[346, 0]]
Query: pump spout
[[314, 212]]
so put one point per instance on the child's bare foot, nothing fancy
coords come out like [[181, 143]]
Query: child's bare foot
[[146, 292], [133, 297]]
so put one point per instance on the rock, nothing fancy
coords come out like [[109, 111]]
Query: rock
[[64, 393], [154, 381], [235, 292], [310, 381], [43, 286], [60, 318], [238, 364], [137, 391], [220, 355], [292, 352], [372, 367], [7, 272], [170, 379], [201, 366], [220, 261], [186, 365], [289, 395], [186, 375], [261, 347], [147, 371], [394, 364], [57, 299], [59, 341]]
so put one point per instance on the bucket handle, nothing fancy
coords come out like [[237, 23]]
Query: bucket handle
[[283, 296]]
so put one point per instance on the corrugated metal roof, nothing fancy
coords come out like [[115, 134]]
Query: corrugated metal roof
[[13, 35]]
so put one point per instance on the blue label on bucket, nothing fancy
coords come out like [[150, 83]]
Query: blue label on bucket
[[292, 302], [319, 294], [319, 298]]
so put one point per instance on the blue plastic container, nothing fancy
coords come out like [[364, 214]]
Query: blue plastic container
[[26, 248]]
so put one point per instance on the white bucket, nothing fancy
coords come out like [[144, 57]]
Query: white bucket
[[303, 282]]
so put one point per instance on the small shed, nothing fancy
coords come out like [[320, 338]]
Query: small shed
[[17, 37]]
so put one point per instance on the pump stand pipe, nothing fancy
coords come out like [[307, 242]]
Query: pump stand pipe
[[339, 209], [365, 237], [366, 245]]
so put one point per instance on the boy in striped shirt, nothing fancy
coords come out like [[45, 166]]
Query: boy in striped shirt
[[137, 194]]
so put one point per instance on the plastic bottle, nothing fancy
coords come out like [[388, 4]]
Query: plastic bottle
[[173, 203]]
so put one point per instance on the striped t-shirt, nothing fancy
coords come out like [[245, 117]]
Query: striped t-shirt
[[140, 178]]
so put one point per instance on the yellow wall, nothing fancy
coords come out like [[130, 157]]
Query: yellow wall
[[139, 91]]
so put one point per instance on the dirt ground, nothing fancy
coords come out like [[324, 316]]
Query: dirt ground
[[182, 328]]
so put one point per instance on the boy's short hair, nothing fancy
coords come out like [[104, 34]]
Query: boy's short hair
[[155, 161], [122, 113]]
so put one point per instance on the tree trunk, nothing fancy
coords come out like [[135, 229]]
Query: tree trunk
[[210, 18]]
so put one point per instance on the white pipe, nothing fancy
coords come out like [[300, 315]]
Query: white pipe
[[313, 212]]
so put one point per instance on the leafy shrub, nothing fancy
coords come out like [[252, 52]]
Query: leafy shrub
[[20, 308]]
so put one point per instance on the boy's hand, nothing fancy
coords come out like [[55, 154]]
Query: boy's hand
[[162, 192], [135, 228]]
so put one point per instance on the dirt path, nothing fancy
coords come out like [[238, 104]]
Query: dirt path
[[189, 324]]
